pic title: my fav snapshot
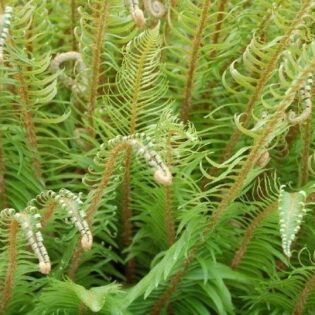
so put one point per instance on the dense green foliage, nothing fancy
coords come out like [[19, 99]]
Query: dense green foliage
[[157, 157]]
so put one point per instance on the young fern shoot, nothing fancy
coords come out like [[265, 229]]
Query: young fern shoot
[[291, 212], [162, 174], [30, 225], [155, 8], [5, 29], [136, 13], [76, 87], [307, 103], [71, 203]]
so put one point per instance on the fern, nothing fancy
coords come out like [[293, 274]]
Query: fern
[[159, 155]]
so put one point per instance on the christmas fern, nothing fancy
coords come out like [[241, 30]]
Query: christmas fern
[[157, 157]]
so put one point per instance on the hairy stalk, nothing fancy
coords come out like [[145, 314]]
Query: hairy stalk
[[308, 288], [3, 196], [73, 23], [256, 151], [101, 24], [249, 234], [126, 198], [12, 254], [265, 75], [164, 298], [290, 138], [169, 219], [306, 135], [29, 123], [96, 199], [162, 176], [196, 44], [218, 25], [48, 212]]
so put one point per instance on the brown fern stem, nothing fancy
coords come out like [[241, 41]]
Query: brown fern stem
[[101, 24], [196, 44], [238, 184], [73, 23], [48, 213], [3, 196], [268, 70], [249, 234], [126, 198], [29, 123], [306, 135], [299, 306], [94, 204], [164, 298], [12, 254], [218, 25]]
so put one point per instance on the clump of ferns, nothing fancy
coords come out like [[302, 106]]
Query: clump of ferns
[[17, 263], [103, 182], [31, 221], [290, 280], [176, 143]]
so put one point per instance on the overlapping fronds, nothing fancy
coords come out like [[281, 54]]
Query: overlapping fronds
[[144, 145]]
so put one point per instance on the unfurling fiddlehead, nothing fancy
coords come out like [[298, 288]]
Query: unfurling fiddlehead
[[307, 103], [155, 8], [5, 28], [107, 160], [136, 12], [162, 174], [71, 203], [29, 222], [78, 88], [291, 212]]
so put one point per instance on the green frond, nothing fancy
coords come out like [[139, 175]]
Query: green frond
[[291, 212]]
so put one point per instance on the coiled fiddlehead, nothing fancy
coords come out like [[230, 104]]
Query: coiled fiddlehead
[[162, 174], [307, 103], [76, 87], [136, 12], [155, 8], [29, 222], [71, 203]]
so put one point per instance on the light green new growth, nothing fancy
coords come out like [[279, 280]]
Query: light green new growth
[[30, 224], [291, 212], [162, 174], [72, 204], [4, 28]]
